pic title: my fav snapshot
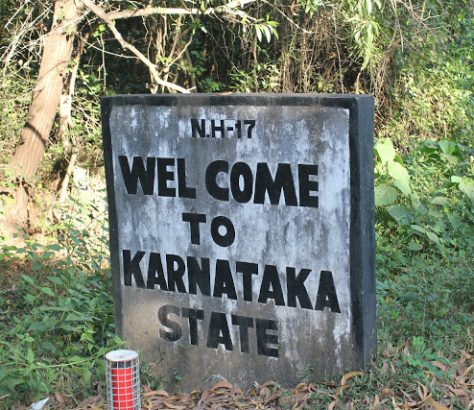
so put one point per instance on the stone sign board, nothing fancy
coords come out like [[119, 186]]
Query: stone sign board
[[242, 234]]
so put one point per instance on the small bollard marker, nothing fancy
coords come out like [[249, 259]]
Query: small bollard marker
[[123, 380]]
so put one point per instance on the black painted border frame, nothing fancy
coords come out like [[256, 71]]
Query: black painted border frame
[[362, 235]]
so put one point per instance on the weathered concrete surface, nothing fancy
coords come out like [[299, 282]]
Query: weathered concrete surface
[[309, 340]]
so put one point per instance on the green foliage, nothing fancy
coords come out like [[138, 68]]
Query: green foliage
[[15, 90], [424, 295], [440, 210], [310, 6], [262, 77], [85, 128], [390, 165], [57, 321], [433, 98], [205, 83], [266, 29], [365, 29], [425, 285]]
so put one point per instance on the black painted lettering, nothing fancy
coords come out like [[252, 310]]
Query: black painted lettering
[[264, 339], [183, 190], [193, 316], [226, 239], [251, 124], [327, 296], [271, 286], [243, 323], [199, 275], [198, 129], [296, 289], [307, 185], [138, 172], [224, 283], [283, 181], [238, 128], [175, 267], [212, 170], [219, 332], [156, 275], [164, 175], [174, 333], [132, 267], [241, 172], [215, 128], [247, 269], [194, 221]]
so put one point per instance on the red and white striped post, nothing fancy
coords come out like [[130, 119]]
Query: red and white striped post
[[123, 380]]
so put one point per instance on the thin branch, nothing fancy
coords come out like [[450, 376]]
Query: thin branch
[[149, 11], [190, 63], [14, 15], [102, 50], [229, 8], [180, 53], [26, 27], [336, 41], [67, 177], [177, 37], [99, 12], [286, 17]]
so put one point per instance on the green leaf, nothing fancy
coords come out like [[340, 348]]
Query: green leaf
[[268, 34], [400, 176], [3, 374], [35, 266], [85, 375], [440, 200], [447, 147], [10, 383], [47, 291], [418, 228], [466, 186], [56, 280], [451, 159], [87, 337], [430, 235], [385, 150], [67, 327], [28, 279], [385, 194], [433, 237], [30, 356], [47, 346], [38, 327], [414, 246], [75, 359], [400, 213], [77, 317], [29, 298]]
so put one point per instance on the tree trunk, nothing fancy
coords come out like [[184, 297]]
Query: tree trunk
[[35, 133]]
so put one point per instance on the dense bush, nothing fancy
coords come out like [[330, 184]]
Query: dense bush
[[57, 313]]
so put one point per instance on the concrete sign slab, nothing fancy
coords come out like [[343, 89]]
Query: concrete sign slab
[[241, 231]]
